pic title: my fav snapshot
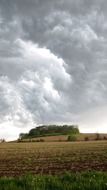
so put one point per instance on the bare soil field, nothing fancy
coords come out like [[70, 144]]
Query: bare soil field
[[52, 157]]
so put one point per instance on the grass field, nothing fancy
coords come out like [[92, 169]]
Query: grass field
[[52, 158], [68, 181]]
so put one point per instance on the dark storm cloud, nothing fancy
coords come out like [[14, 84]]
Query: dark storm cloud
[[53, 55]]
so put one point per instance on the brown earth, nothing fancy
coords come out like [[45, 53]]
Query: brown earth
[[52, 158]]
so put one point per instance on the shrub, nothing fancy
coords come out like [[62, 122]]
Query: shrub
[[19, 140], [42, 140], [97, 137], [86, 138], [105, 138], [72, 138], [37, 140]]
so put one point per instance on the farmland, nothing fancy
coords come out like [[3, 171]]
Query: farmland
[[63, 138], [54, 158]]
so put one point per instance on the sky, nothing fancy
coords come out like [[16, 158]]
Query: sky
[[53, 64]]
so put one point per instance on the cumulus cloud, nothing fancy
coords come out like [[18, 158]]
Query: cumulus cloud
[[12, 108], [36, 94]]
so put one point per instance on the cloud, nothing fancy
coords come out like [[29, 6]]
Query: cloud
[[44, 83], [34, 96], [53, 60], [12, 108]]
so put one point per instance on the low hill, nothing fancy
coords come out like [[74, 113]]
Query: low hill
[[56, 133], [50, 130]]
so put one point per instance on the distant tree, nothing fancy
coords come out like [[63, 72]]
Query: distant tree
[[22, 135], [97, 136], [2, 140]]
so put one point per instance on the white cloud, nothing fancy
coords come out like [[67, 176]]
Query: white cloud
[[33, 95], [49, 90], [14, 109]]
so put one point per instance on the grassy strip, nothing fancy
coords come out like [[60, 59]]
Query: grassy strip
[[68, 181]]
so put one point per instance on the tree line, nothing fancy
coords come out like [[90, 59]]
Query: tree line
[[50, 130]]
